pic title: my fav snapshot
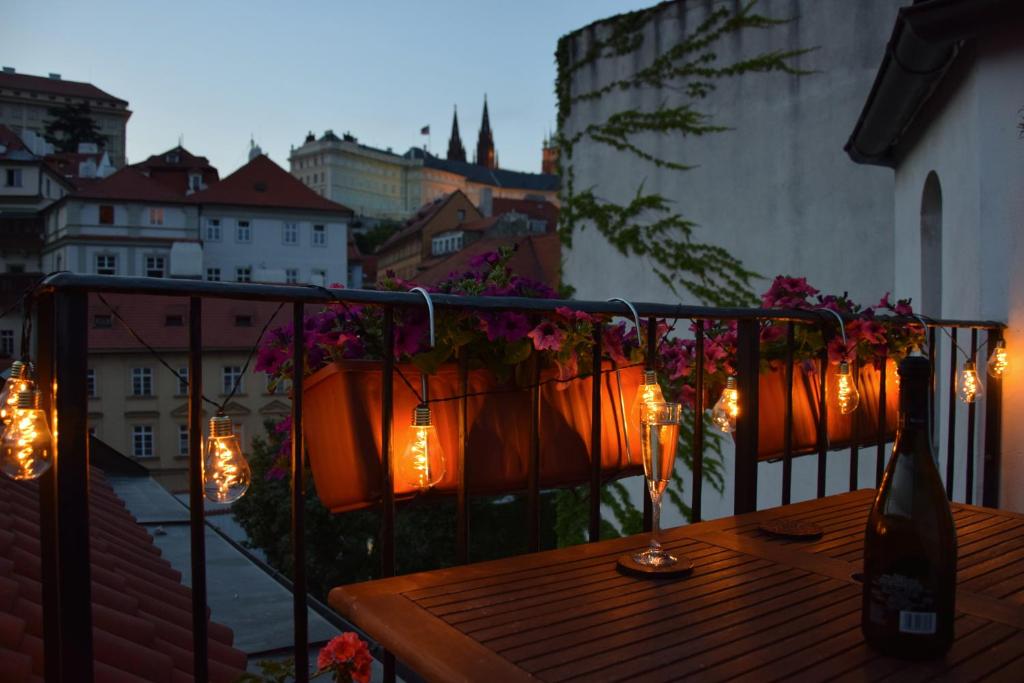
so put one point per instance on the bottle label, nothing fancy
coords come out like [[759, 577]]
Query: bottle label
[[923, 623]]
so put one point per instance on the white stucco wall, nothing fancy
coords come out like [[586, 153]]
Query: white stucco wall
[[777, 191], [972, 145]]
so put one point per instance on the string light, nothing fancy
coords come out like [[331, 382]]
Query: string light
[[969, 384], [998, 362], [20, 380], [226, 472], [26, 449], [648, 392], [423, 461], [845, 397], [727, 408]]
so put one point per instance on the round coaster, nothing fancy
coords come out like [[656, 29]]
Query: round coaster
[[681, 568], [791, 528]]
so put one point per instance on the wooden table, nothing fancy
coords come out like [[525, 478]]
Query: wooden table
[[755, 609]]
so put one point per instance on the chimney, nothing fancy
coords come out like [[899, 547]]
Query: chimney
[[486, 205], [8, 69], [54, 77]]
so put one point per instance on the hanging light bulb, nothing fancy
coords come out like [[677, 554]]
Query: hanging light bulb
[[648, 392], [26, 450], [423, 462], [844, 395], [999, 362], [969, 384], [20, 380], [727, 409], [226, 473]]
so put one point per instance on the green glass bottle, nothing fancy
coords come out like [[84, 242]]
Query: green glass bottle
[[910, 542]]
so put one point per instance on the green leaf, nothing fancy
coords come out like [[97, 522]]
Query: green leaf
[[517, 352]]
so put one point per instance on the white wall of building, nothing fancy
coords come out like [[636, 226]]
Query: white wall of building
[[972, 146]]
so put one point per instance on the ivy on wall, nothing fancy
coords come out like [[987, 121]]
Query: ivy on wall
[[648, 225]]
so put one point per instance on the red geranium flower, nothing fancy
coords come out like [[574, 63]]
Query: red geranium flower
[[348, 656]]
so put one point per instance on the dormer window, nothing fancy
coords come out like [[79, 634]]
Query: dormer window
[[173, 158], [195, 182]]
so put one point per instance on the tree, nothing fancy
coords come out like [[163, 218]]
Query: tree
[[71, 125], [372, 238]]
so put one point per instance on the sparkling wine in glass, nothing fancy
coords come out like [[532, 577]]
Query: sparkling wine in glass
[[659, 437]]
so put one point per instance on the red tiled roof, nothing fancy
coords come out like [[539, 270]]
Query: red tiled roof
[[478, 226], [419, 220], [535, 209], [185, 159], [148, 316], [128, 184], [261, 182], [55, 86], [11, 140], [142, 614], [537, 257]]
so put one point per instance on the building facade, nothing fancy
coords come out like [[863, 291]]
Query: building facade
[[436, 230], [25, 103]]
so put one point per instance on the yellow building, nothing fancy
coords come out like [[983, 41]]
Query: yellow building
[[410, 249]]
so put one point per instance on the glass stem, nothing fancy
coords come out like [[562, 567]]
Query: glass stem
[[655, 519]]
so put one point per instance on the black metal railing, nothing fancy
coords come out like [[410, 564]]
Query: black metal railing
[[61, 306]]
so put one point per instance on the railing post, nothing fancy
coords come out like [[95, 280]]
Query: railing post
[[595, 440], [533, 465], [748, 371], [300, 617], [49, 569], [822, 419], [462, 497], [951, 440], [387, 472], [971, 417], [698, 427], [74, 585], [787, 427], [993, 432], [196, 501]]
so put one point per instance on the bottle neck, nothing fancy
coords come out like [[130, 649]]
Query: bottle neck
[[914, 401]]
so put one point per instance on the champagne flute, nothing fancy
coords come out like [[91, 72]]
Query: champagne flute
[[659, 437]]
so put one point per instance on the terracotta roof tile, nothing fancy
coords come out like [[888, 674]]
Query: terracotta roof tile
[[535, 209], [128, 184], [141, 612], [537, 257], [55, 86], [263, 183]]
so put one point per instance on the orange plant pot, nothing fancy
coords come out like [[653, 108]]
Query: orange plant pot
[[342, 431], [860, 427]]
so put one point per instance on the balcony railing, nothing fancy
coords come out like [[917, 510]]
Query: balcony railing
[[62, 304]]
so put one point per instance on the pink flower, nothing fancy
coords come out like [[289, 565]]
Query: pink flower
[[348, 656], [837, 351], [788, 292], [687, 395], [546, 336], [508, 326], [613, 342], [772, 333], [409, 337]]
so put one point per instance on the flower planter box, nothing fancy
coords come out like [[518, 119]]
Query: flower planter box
[[342, 429], [860, 427]]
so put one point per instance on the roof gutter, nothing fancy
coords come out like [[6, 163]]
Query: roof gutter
[[924, 44]]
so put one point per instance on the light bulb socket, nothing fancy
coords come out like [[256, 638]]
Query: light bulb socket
[[730, 382], [1000, 343], [844, 367], [21, 370], [650, 377], [220, 425], [26, 399], [421, 416], [969, 366]]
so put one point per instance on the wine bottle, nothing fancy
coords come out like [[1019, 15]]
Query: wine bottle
[[910, 541]]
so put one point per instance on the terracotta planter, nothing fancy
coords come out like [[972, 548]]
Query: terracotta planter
[[843, 431], [342, 420]]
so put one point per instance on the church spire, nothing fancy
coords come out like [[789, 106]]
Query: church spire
[[456, 152], [485, 154]]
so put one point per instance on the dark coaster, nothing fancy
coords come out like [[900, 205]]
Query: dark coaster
[[681, 568], [791, 528]]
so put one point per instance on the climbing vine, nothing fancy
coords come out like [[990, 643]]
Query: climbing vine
[[648, 225]]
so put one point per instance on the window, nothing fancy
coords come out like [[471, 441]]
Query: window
[[155, 266], [291, 275], [142, 441], [318, 276], [291, 233], [282, 387], [243, 274], [13, 177], [182, 381], [142, 381], [90, 383], [101, 321], [7, 342], [182, 441], [243, 320], [106, 214], [213, 229], [106, 264], [462, 215], [231, 375], [156, 216], [243, 233], [213, 274], [319, 236], [195, 182]]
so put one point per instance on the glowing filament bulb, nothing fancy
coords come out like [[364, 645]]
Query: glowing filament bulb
[[26, 450], [846, 397], [727, 409], [648, 392], [423, 460], [226, 473], [999, 362], [20, 380], [969, 384]]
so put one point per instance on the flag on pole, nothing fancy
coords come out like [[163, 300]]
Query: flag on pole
[[425, 130]]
